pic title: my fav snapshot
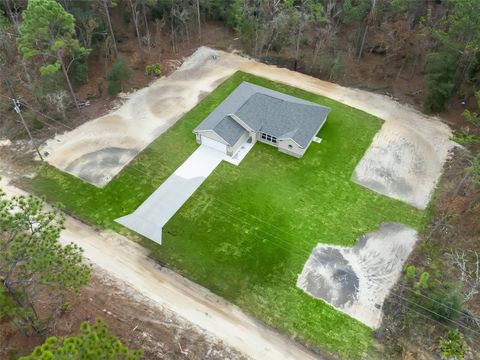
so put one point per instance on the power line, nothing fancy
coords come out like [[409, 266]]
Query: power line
[[430, 319], [46, 116], [392, 292], [438, 302], [23, 102], [302, 252]]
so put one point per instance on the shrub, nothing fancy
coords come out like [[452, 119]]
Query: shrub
[[453, 346], [445, 302], [114, 87], [36, 124], [94, 342], [410, 272], [117, 75], [440, 78], [423, 281], [153, 70]]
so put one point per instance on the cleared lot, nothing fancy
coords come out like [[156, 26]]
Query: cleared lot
[[404, 161], [247, 232]]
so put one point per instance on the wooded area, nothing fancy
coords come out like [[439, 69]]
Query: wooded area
[[46, 50], [58, 56]]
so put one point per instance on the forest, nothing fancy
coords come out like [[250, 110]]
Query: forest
[[381, 45], [64, 62]]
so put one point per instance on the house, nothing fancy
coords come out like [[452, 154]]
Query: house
[[253, 113]]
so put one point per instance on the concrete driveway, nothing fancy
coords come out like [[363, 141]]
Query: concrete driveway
[[150, 217]]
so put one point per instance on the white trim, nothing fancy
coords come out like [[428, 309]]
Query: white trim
[[213, 144], [241, 122], [301, 147]]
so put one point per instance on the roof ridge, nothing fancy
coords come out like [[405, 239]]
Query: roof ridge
[[304, 102]]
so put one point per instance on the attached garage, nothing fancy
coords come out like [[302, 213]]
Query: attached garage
[[257, 113], [214, 144]]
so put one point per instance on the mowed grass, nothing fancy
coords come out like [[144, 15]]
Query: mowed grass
[[247, 232]]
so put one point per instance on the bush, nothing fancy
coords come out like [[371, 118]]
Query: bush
[[51, 83], [410, 272], [440, 79], [445, 302], [94, 342], [79, 71], [36, 123], [453, 346], [153, 70], [114, 87], [117, 75], [423, 281]]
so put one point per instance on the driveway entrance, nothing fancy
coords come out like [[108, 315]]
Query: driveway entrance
[[150, 217]]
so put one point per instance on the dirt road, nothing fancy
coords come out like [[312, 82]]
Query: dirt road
[[129, 263]]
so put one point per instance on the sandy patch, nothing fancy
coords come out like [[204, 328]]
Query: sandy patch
[[400, 164], [97, 150], [5, 142], [356, 280]]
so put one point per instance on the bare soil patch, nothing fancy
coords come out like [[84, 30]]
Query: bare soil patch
[[132, 318], [356, 280], [410, 150], [130, 264], [454, 225]]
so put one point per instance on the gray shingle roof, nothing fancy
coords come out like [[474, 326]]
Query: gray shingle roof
[[229, 130], [266, 110]]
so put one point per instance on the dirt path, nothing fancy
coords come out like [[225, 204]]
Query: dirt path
[[129, 263]]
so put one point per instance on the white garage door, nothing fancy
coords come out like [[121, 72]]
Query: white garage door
[[214, 144]]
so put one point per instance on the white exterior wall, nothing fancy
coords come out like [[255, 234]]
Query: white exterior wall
[[232, 149], [214, 144], [211, 135], [286, 146], [290, 147]]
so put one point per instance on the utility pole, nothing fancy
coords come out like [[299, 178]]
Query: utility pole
[[16, 105]]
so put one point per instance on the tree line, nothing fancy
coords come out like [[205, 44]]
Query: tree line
[[48, 42]]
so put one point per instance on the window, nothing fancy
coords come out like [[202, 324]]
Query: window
[[269, 138]]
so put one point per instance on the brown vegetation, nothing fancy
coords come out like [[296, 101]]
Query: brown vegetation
[[133, 319]]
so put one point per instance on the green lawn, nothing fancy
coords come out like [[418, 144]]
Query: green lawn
[[247, 232]]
